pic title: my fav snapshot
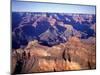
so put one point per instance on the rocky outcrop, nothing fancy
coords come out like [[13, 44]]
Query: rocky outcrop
[[65, 56]]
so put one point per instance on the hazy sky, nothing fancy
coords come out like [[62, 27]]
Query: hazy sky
[[19, 6]]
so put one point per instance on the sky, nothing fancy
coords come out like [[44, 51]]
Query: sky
[[23, 6]]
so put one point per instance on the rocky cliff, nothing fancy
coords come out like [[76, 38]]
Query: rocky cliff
[[71, 55]]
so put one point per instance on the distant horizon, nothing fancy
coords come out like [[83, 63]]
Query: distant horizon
[[19, 6], [51, 12]]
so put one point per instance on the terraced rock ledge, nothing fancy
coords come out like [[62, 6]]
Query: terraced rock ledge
[[71, 55]]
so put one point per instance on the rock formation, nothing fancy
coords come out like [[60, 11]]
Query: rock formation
[[65, 56]]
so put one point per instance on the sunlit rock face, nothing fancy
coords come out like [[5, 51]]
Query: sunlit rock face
[[52, 42], [65, 56]]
